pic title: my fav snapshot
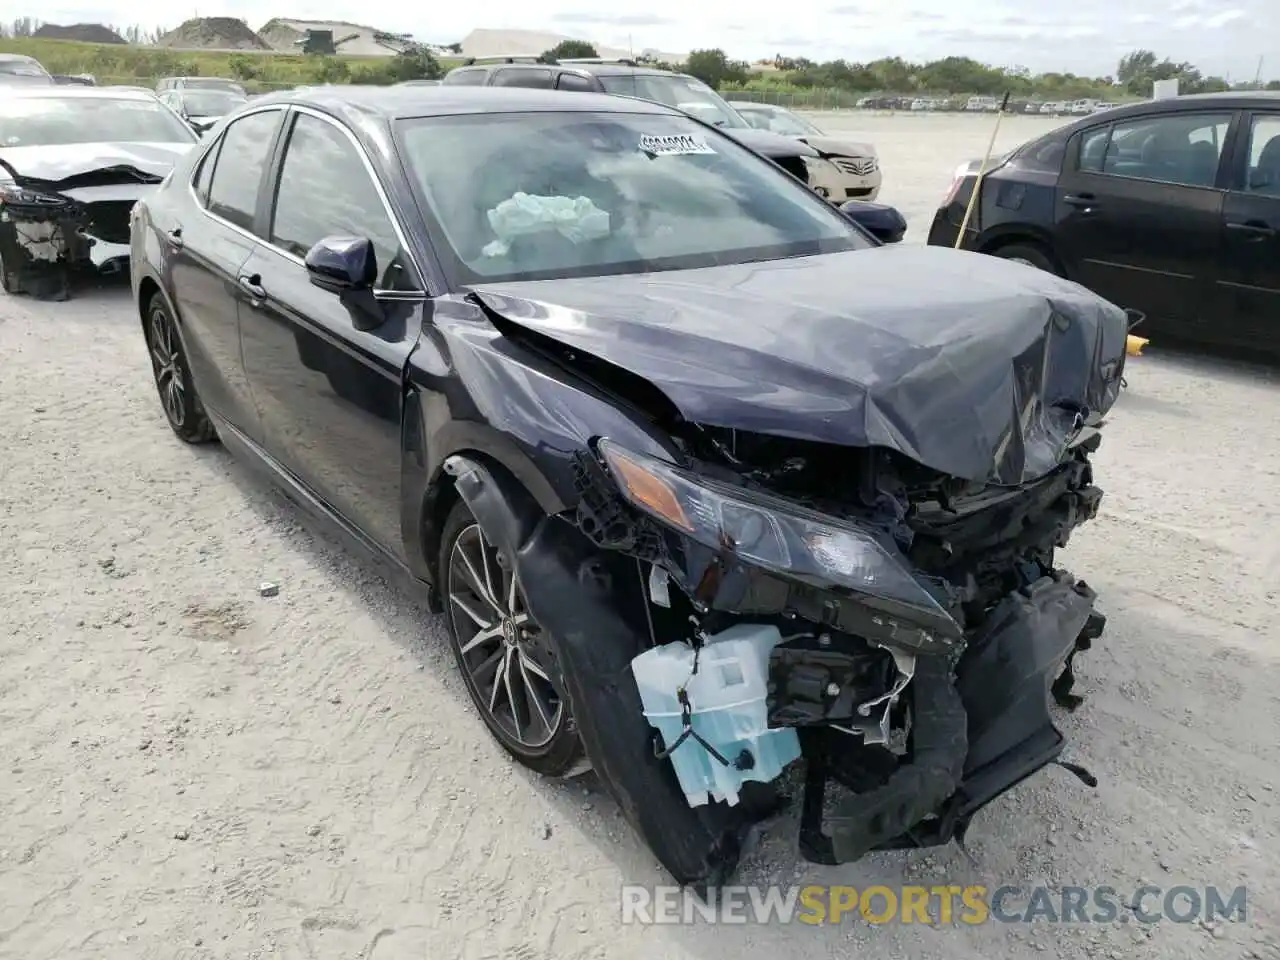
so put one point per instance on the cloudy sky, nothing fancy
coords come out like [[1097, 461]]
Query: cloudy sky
[[1083, 36]]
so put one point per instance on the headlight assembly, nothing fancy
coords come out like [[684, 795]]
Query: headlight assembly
[[777, 535]]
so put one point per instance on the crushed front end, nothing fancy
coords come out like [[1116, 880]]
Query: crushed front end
[[920, 624], [51, 231]]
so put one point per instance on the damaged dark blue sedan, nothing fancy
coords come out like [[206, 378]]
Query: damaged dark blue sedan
[[707, 481]]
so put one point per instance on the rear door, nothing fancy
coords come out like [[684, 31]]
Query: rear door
[[1249, 276], [330, 394], [206, 258], [1138, 212]]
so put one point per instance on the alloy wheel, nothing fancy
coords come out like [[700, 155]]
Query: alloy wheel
[[503, 651], [165, 363]]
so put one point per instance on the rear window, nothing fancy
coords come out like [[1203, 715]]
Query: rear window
[[542, 195], [57, 121], [22, 68]]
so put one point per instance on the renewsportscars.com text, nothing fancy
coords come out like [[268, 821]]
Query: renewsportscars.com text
[[973, 905]]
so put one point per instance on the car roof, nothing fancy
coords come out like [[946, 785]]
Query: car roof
[[79, 92], [606, 69], [394, 103], [1188, 103], [20, 57]]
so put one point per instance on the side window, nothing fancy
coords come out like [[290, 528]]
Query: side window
[[325, 190], [465, 78], [204, 174], [520, 77], [572, 81], [1264, 156], [233, 195], [1176, 148]]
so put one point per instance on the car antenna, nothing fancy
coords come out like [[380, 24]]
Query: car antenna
[[982, 172]]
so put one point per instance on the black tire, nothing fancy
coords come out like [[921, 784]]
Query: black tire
[[1031, 256], [536, 728], [178, 397]]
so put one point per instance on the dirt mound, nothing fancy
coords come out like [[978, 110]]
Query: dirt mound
[[213, 33], [84, 32]]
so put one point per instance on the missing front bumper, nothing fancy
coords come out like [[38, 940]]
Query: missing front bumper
[[977, 732]]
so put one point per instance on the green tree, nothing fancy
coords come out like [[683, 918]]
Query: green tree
[[713, 68], [414, 63], [570, 50]]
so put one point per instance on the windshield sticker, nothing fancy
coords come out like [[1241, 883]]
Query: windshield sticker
[[677, 145]]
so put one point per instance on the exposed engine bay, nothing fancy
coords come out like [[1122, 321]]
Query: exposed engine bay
[[52, 230]]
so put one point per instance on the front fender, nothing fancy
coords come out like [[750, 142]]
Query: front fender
[[590, 604]]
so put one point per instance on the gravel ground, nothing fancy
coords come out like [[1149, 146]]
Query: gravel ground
[[190, 770]]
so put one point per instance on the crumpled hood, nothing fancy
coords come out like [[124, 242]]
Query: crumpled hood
[[975, 366], [836, 147], [768, 143], [53, 164]]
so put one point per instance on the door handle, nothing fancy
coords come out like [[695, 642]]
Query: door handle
[[1080, 200], [253, 287], [1255, 228], [174, 237]]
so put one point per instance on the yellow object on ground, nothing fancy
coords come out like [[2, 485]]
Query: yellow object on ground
[[1133, 345]]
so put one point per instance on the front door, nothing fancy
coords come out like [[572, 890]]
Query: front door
[[330, 394], [1249, 274], [1138, 213]]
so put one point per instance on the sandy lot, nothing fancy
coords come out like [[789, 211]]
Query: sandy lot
[[189, 770]]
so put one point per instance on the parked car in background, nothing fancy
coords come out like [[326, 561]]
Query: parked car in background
[[628, 78], [72, 162], [1054, 107], [200, 83], [620, 389], [1170, 207], [982, 104], [16, 69], [202, 108], [855, 167], [1103, 105]]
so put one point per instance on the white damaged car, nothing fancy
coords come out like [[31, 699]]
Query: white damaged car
[[73, 161], [852, 170]]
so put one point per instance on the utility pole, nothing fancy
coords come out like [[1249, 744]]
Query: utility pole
[[1257, 77]]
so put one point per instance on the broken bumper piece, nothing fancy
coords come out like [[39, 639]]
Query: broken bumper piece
[[46, 237]]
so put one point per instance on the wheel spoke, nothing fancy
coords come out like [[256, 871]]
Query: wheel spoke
[[465, 607], [516, 712], [528, 663], [488, 581], [488, 667], [499, 678], [512, 587], [490, 633], [476, 582], [531, 693]]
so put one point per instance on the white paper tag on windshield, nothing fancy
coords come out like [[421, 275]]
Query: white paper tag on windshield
[[675, 145]]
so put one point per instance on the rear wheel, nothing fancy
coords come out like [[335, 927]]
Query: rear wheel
[[1031, 256], [506, 659], [178, 397]]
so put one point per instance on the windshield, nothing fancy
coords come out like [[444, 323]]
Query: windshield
[[54, 121], [779, 121], [684, 93], [546, 195], [211, 103]]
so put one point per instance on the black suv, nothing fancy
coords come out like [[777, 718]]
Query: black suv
[[629, 78]]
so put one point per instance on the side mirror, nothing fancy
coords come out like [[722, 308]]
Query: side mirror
[[348, 266], [882, 221], [338, 264]]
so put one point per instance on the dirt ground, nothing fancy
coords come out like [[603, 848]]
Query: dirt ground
[[190, 770]]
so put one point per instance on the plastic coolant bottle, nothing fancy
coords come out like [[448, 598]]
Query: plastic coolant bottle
[[727, 697]]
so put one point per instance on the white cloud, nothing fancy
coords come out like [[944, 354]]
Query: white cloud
[[1040, 34]]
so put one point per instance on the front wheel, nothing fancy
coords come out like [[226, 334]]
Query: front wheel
[[506, 659]]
